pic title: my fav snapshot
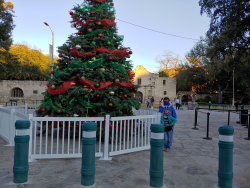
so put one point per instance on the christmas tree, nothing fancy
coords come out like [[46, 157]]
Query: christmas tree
[[93, 76]]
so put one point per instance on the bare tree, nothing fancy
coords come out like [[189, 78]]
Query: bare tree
[[168, 61]]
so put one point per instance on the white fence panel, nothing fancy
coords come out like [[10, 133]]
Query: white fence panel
[[5, 117], [130, 134], [61, 137]]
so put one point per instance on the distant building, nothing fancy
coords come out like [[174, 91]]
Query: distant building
[[22, 90], [153, 85]]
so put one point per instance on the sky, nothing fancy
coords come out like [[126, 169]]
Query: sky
[[175, 17]]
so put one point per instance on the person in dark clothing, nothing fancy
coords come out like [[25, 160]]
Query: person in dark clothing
[[237, 105]]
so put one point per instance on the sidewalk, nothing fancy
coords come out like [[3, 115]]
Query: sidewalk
[[192, 161]]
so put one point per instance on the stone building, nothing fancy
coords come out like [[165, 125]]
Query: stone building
[[153, 85], [22, 90]]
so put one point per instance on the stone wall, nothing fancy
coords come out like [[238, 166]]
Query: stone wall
[[27, 86]]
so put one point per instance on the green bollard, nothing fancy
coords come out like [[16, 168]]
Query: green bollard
[[225, 172], [156, 155], [88, 153], [22, 138]]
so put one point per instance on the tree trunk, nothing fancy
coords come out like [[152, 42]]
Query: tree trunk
[[220, 95]]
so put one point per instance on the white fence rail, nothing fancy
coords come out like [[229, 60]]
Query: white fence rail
[[61, 137], [130, 134], [24, 109], [8, 117]]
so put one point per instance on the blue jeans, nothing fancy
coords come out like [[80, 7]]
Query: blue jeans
[[168, 139], [148, 105]]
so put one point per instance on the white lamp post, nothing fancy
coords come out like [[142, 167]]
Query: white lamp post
[[52, 47]]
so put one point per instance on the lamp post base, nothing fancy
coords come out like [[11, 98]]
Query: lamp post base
[[207, 138]]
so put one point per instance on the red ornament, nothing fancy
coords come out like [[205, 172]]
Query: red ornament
[[100, 35], [89, 30], [112, 4], [92, 12], [130, 52], [43, 110], [125, 95], [110, 58], [79, 32], [71, 13], [115, 35], [97, 95], [52, 72], [60, 55]]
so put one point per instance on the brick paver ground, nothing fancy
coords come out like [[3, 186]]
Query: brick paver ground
[[192, 161]]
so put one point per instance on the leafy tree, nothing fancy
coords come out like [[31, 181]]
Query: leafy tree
[[229, 24], [6, 27], [8, 63], [163, 74], [31, 56]]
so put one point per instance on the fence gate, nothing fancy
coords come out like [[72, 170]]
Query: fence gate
[[130, 134]]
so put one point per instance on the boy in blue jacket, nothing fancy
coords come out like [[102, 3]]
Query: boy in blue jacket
[[168, 121]]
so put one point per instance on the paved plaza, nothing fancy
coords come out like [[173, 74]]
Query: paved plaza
[[192, 161]]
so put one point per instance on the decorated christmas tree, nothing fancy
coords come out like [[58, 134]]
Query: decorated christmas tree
[[93, 76]]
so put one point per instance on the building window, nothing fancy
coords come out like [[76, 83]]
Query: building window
[[164, 82], [164, 92], [16, 92], [139, 81], [34, 91]]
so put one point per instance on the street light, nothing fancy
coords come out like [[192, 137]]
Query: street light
[[52, 47]]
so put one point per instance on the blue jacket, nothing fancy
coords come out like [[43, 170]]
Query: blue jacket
[[152, 99], [172, 110], [171, 120]]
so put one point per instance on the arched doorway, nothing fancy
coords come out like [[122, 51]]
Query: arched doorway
[[186, 98], [16, 92], [139, 95]]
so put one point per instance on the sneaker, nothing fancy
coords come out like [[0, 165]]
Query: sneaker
[[166, 150]]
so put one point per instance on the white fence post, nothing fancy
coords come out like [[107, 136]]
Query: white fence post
[[158, 118], [30, 143], [152, 110], [106, 140], [26, 109], [11, 128]]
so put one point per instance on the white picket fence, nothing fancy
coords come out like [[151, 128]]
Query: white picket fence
[[8, 117], [60, 137]]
